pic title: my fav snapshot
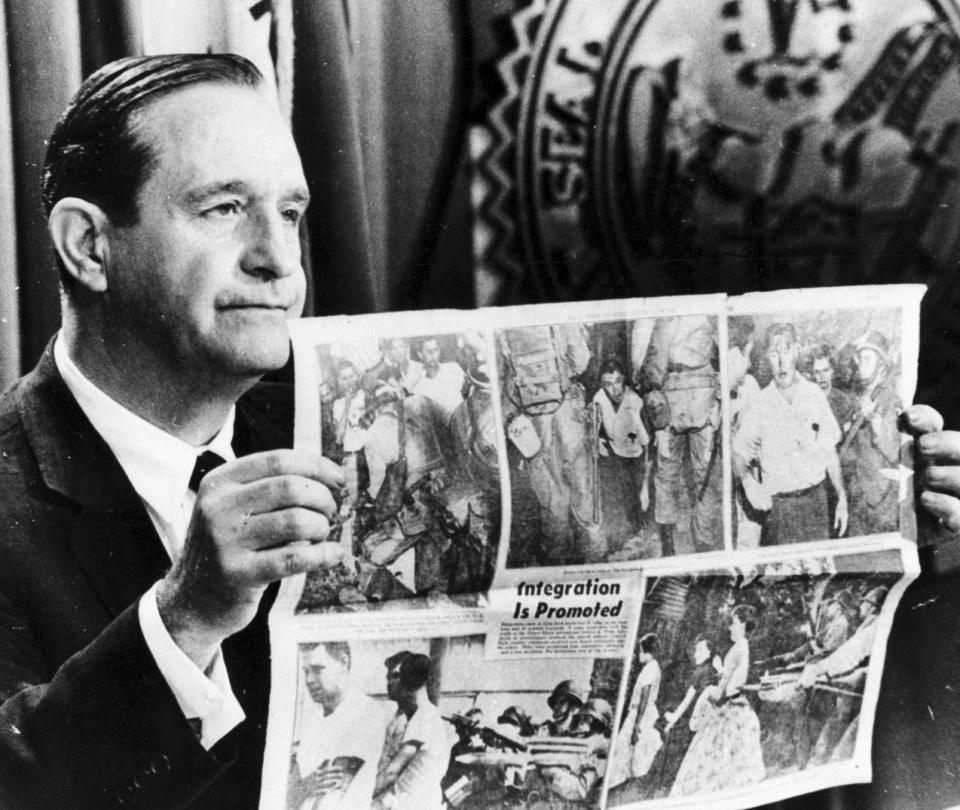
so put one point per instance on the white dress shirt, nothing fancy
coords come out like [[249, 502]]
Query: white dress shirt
[[158, 466], [355, 728], [796, 438], [446, 388]]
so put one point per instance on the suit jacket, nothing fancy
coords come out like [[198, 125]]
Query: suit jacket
[[87, 720]]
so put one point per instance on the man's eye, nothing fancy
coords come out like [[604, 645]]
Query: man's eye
[[292, 215], [224, 209]]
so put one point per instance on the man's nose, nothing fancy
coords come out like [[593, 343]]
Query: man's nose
[[273, 247]]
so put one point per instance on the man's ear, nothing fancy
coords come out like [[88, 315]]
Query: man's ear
[[78, 229]]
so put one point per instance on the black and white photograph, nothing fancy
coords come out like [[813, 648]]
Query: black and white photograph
[[614, 439], [410, 422], [749, 674], [319, 316], [816, 447], [425, 724]]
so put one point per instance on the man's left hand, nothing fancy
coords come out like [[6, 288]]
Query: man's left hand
[[937, 455]]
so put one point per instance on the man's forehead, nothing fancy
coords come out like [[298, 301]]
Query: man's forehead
[[319, 657], [212, 137]]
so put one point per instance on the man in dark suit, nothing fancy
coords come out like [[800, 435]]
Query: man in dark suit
[[174, 194]]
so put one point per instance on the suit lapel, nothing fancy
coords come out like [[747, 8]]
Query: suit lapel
[[112, 536], [119, 550]]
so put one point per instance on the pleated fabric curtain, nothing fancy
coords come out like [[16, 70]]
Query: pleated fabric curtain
[[380, 96], [376, 91]]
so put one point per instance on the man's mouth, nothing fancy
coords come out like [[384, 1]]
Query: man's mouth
[[254, 306]]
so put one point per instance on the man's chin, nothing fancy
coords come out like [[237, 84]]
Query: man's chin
[[253, 360]]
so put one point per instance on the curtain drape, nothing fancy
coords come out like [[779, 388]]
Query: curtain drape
[[378, 91], [44, 55], [9, 301]]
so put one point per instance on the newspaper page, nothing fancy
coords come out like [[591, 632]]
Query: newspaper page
[[635, 553]]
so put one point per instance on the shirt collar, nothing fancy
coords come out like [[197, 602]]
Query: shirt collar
[[157, 463]]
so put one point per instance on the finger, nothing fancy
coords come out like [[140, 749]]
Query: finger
[[282, 527], [944, 507], [942, 446], [275, 463], [285, 491], [919, 419], [274, 564], [941, 478]]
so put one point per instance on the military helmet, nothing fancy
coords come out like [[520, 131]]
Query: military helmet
[[515, 716], [599, 710], [566, 689], [876, 342]]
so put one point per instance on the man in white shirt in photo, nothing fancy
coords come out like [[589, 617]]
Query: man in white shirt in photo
[[785, 448], [417, 749], [335, 765], [441, 382], [622, 446]]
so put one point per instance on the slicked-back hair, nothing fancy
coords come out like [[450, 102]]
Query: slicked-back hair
[[95, 152]]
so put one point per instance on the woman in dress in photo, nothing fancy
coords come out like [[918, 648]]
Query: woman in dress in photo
[[638, 740], [725, 752]]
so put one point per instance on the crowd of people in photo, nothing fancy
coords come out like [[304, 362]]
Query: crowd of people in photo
[[349, 754], [816, 447], [411, 424], [769, 686], [614, 439]]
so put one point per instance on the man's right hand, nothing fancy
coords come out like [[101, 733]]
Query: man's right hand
[[256, 520]]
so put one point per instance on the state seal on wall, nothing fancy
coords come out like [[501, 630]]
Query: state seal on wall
[[647, 147]]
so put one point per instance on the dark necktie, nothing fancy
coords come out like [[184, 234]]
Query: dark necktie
[[206, 461]]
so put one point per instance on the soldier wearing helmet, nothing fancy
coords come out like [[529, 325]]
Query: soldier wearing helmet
[[578, 783], [565, 701], [856, 649], [596, 717], [870, 450], [846, 668]]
